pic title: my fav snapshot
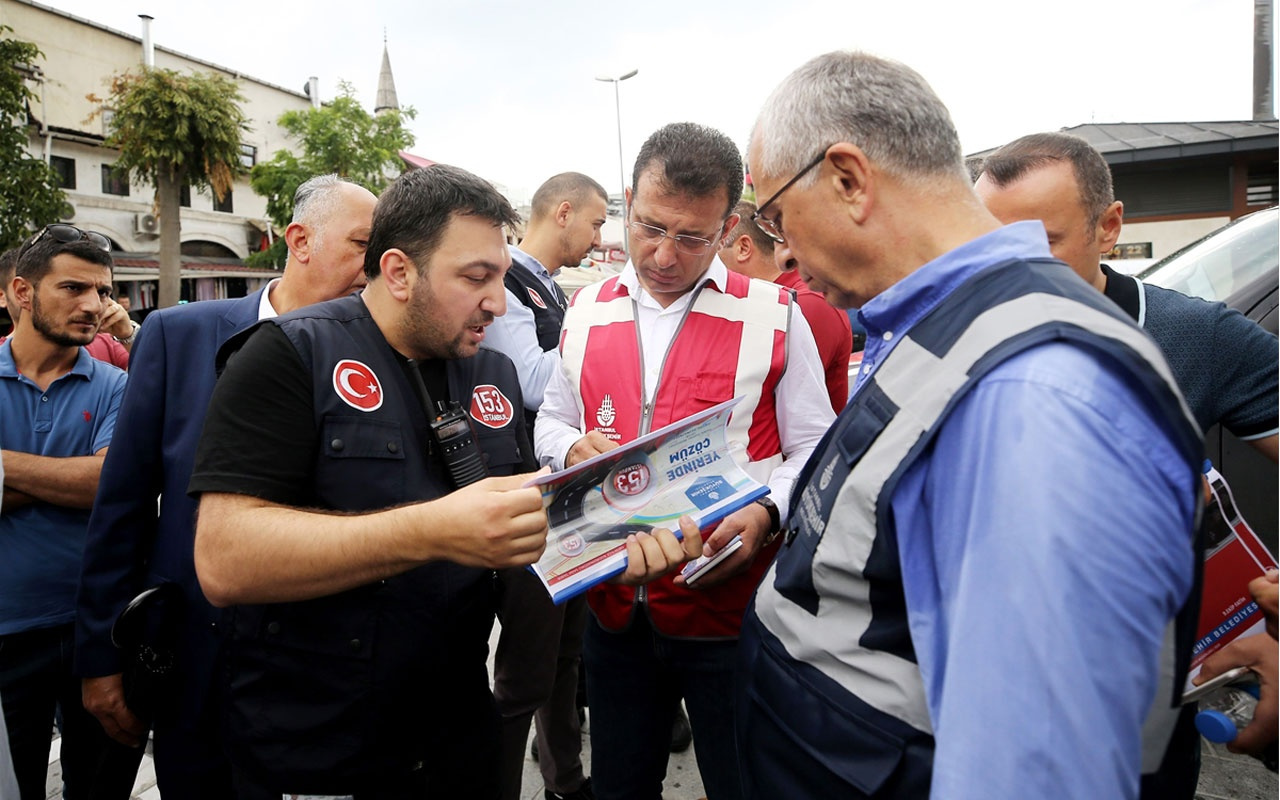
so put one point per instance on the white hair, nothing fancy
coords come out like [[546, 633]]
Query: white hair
[[314, 203], [882, 106]]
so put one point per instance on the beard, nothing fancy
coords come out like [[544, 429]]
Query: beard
[[44, 325], [424, 329]]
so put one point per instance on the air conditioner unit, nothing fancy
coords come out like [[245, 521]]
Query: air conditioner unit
[[146, 224]]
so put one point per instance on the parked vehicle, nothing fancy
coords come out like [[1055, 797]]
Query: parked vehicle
[[1238, 264]]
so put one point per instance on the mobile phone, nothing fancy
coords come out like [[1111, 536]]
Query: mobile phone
[[1237, 675], [700, 566]]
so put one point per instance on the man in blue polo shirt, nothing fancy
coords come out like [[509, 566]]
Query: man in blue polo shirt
[[60, 409]]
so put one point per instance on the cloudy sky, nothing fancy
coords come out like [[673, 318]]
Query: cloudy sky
[[507, 90]]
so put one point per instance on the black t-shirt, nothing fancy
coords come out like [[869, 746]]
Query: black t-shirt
[[259, 433]]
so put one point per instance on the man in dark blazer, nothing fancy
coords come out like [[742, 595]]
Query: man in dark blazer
[[129, 548]]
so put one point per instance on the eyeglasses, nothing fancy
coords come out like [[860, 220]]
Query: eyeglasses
[[772, 228], [689, 245], [67, 234]]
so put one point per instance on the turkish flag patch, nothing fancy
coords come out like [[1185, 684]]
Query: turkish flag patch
[[536, 298], [490, 407], [356, 384]]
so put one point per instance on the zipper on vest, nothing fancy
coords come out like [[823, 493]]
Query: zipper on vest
[[646, 411]]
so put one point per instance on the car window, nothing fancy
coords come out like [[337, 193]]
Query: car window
[[1224, 261]]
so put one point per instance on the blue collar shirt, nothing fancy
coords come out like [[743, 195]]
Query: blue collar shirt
[[1045, 543]]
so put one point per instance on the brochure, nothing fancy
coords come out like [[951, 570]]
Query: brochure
[[687, 467], [1233, 556]]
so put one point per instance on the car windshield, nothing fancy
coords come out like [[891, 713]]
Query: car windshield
[[1224, 261]]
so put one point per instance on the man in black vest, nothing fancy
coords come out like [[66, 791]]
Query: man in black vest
[[536, 665], [353, 546]]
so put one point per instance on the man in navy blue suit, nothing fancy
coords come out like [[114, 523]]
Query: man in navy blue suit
[[128, 548]]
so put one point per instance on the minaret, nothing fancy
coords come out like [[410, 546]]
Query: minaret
[[386, 100]]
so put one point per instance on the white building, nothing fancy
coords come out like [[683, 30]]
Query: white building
[[80, 56]]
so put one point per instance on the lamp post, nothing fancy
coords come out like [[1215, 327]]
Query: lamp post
[[622, 167]]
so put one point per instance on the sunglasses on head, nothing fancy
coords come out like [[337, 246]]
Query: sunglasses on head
[[67, 234]]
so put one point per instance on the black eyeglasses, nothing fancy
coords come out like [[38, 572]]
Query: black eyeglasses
[[67, 234], [689, 245], [772, 228]]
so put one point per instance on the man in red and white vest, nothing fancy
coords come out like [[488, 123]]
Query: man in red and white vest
[[675, 333]]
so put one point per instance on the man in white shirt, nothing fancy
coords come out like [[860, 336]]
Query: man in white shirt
[[536, 663], [673, 334]]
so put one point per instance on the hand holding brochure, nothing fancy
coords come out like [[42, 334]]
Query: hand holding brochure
[[1233, 556], [685, 468]]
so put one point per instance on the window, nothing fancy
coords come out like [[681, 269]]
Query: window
[[184, 196], [65, 170], [114, 181], [248, 156], [1262, 190], [223, 205]]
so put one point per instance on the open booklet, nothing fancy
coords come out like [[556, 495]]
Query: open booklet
[[1233, 556], [685, 468]]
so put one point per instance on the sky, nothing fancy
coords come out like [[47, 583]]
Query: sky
[[507, 89]]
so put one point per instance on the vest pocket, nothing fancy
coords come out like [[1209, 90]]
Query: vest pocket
[[300, 676], [373, 449], [842, 741], [702, 391], [501, 448]]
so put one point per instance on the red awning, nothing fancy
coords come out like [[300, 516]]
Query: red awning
[[415, 162]]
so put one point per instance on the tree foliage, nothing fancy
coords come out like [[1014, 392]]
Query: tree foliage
[[341, 137], [185, 127], [29, 193], [174, 129]]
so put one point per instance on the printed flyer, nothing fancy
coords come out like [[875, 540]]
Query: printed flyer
[[685, 468], [1233, 556]]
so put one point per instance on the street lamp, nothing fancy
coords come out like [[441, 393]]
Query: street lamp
[[622, 167]]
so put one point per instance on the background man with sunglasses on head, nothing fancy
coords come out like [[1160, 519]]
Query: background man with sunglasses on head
[[673, 334], [116, 331], [59, 408]]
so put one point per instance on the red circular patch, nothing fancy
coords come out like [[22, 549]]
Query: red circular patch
[[631, 480], [536, 298], [490, 407], [356, 384]]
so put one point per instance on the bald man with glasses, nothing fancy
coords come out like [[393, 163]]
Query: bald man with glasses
[[676, 332]]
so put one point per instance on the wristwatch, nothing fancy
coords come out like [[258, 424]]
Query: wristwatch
[[133, 334], [775, 517]]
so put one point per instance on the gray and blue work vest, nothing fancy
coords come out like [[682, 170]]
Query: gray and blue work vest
[[836, 702], [329, 695]]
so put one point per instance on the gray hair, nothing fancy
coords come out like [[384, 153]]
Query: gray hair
[[314, 200], [882, 106]]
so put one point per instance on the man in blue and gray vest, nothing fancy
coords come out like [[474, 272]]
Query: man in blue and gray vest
[[536, 663], [955, 612]]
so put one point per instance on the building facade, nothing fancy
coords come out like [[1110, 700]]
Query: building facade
[[68, 130]]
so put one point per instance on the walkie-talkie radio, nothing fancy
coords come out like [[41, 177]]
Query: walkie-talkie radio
[[451, 431]]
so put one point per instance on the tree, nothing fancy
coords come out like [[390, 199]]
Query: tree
[[175, 129], [29, 194], [341, 138]]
